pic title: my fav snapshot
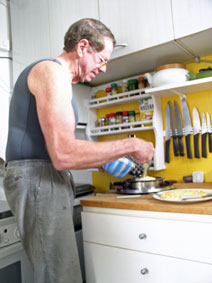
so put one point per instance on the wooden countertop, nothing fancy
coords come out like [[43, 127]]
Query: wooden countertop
[[148, 203]]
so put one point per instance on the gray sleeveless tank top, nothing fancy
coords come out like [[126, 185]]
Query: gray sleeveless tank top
[[25, 138]]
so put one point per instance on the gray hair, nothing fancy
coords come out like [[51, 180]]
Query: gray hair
[[92, 30]]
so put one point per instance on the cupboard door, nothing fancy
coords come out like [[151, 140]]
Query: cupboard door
[[191, 16], [64, 13], [109, 264], [30, 32], [139, 23]]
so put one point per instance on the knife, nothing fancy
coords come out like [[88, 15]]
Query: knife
[[209, 132], [172, 123], [179, 127], [187, 125], [197, 129], [204, 134], [167, 124]]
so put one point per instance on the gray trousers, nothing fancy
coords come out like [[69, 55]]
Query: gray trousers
[[41, 199]]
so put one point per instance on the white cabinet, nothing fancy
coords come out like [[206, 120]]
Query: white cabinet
[[38, 27], [64, 13], [30, 33], [191, 16], [140, 24], [4, 26], [122, 247]]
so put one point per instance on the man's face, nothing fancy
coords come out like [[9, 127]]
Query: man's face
[[94, 62]]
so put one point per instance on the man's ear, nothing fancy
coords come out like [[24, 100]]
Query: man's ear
[[82, 47]]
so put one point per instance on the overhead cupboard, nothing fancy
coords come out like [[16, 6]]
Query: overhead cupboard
[[155, 125], [151, 32]]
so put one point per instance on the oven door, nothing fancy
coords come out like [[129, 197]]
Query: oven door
[[14, 265]]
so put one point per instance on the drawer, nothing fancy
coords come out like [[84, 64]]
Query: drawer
[[109, 264], [188, 240]]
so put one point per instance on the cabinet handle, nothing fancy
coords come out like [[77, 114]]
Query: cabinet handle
[[144, 271], [142, 236], [121, 45]]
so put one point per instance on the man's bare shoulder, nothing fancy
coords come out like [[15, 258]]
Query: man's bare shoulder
[[45, 73]]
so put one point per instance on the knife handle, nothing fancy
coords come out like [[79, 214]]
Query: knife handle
[[175, 146], [210, 142], [167, 151], [188, 146], [204, 145], [196, 146], [181, 146]]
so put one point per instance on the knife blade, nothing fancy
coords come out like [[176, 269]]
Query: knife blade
[[197, 129], [209, 131], [168, 134], [187, 125], [172, 123], [204, 134], [179, 127]]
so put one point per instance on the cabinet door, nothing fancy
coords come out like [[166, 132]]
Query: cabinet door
[[109, 264], [139, 23], [191, 16], [30, 32], [64, 13], [4, 27]]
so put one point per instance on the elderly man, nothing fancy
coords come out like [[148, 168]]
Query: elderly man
[[42, 146]]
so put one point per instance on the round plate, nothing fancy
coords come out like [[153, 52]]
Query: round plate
[[208, 191]]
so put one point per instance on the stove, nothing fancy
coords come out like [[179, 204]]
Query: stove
[[8, 229]]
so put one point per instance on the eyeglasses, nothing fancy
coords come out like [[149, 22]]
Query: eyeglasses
[[102, 62]]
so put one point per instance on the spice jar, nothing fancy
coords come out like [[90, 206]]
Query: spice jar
[[108, 91], [114, 89], [102, 121], [132, 84], [118, 117], [124, 86], [125, 117], [137, 117], [107, 122], [112, 118], [131, 116], [141, 82]]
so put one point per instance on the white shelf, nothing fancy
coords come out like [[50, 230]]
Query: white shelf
[[116, 99], [122, 128], [192, 86]]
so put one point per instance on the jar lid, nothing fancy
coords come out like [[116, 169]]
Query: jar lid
[[108, 89], [113, 85], [167, 66], [133, 81], [141, 79], [112, 114], [125, 113], [118, 113], [107, 115], [131, 112]]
